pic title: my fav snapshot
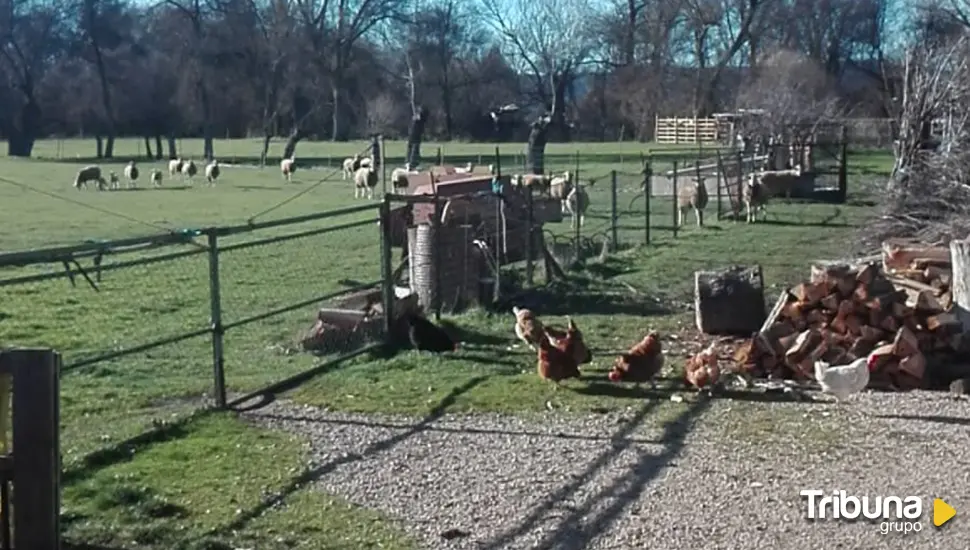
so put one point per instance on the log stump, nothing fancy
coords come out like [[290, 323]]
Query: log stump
[[960, 260], [729, 301]]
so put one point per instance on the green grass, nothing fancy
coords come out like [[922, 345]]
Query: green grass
[[108, 402]]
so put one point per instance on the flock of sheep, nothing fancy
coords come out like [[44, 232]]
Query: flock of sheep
[[176, 167]]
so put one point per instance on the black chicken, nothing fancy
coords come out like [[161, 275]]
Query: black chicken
[[426, 336]]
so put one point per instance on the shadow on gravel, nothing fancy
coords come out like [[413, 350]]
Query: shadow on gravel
[[952, 420], [308, 476], [623, 492]]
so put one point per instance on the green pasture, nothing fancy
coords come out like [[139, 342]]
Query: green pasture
[[149, 498]]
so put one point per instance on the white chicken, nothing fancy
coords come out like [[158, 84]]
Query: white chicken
[[845, 380]]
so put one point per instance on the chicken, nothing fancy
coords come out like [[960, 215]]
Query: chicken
[[571, 335], [641, 363], [845, 380], [528, 327], [556, 364], [426, 336], [702, 370]]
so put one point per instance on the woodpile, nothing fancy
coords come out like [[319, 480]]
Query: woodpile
[[902, 310]]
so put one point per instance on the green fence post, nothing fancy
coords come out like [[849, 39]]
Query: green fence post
[[387, 271], [647, 191], [676, 211], [530, 237], [215, 321], [614, 245]]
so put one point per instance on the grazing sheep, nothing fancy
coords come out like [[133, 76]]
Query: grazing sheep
[[175, 167], [577, 201], [538, 182], [761, 186], [692, 196], [491, 169], [131, 173], [212, 172], [399, 177], [350, 166], [364, 162], [365, 180], [189, 169], [466, 169], [287, 167], [89, 173], [559, 188], [155, 177], [113, 180]]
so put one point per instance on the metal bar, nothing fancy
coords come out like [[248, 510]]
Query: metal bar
[[647, 191], [530, 237], [120, 265], [300, 235], [215, 322], [58, 253], [414, 199], [291, 382], [497, 284], [137, 349], [246, 228], [387, 274], [614, 245], [436, 300], [298, 305], [676, 209], [5, 511]]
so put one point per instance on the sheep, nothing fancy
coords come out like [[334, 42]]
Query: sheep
[[491, 169], [113, 180], [131, 174], [692, 196], [466, 169], [287, 167], [212, 172], [89, 173], [189, 169], [175, 167], [559, 188], [577, 201], [365, 180], [539, 182], [155, 177], [350, 166], [761, 186], [364, 162], [399, 177]]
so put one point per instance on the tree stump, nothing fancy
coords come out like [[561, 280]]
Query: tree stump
[[729, 301], [960, 258]]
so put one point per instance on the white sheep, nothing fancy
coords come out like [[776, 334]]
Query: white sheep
[[175, 167], [113, 180], [212, 172], [539, 182], [692, 196], [491, 169], [364, 162], [350, 166], [399, 177], [287, 167], [131, 173], [365, 180], [761, 186], [466, 169], [559, 188], [189, 169], [155, 177], [89, 173], [577, 201]]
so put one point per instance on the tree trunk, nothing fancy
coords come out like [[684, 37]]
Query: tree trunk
[[266, 140], [338, 130], [103, 80], [295, 136], [158, 146], [148, 148], [99, 146], [448, 108], [23, 134], [207, 149], [560, 129], [960, 259], [172, 149]]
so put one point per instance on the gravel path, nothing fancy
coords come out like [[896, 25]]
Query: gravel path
[[724, 474]]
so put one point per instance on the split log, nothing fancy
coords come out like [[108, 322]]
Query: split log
[[960, 259], [729, 301], [899, 254]]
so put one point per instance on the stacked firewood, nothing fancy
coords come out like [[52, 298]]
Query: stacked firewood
[[900, 310]]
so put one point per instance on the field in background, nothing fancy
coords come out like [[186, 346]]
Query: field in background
[[149, 497]]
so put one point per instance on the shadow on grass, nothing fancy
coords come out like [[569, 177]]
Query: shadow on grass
[[312, 474], [951, 420], [260, 187], [582, 525], [469, 336], [577, 301], [67, 545]]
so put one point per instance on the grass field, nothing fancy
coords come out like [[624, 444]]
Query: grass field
[[150, 499]]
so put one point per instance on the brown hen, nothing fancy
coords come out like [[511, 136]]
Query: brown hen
[[641, 363], [702, 370], [571, 336], [528, 327], [554, 363]]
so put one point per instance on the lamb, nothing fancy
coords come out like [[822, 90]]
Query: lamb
[[577, 201], [539, 182], [212, 172], [351, 164], [365, 180], [131, 173], [175, 167], [692, 196], [287, 167], [189, 169], [466, 169], [113, 180], [560, 187], [399, 177], [155, 177], [89, 173], [764, 185]]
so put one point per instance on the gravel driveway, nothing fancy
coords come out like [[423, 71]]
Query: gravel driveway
[[723, 473]]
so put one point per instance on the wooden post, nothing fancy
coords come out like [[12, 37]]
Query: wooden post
[[960, 258], [720, 172], [674, 182], [739, 187], [36, 438], [647, 191], [613, 212], [530, 237]]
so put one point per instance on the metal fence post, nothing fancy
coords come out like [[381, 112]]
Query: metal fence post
[[676, 210], [647, 191], [387, 271], [436, 236], [576, 236], [530, 237], [614, 245], [719, 170], [497, 284], [383, 164], [215, 321]]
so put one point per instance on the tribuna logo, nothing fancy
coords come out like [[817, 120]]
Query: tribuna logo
[[904, 511]]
